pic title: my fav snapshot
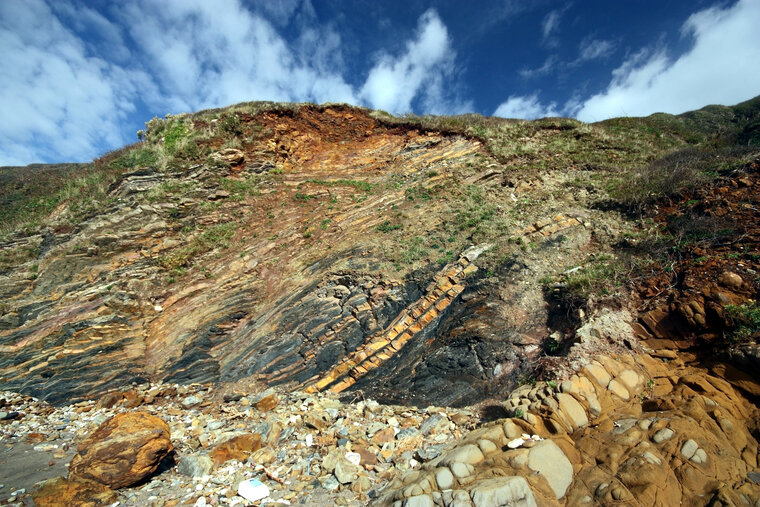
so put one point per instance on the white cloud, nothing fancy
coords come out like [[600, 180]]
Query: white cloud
[[393, 83], [526, 107], [72, 75], [210, 54], [721, 67], [59, 102], [592, 49], [549, 65], [550, 25]]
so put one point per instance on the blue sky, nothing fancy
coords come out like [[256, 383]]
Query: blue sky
[[79, 78]]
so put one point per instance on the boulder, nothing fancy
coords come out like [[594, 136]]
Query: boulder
[[123, 450], [59, 492], [730, 280]]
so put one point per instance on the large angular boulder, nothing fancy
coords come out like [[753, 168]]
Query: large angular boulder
[[123, 450]]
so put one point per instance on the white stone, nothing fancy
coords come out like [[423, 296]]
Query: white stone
[[689, 448], [354, 457], [663, 435], [419, 501], [253, 490], [462, 470], [444, 478], [548, 459], [514, 444], [468, 453]]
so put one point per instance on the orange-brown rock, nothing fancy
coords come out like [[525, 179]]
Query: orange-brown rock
[[368, 458], [60, 492], [123, 450], [267, 403], [132, 399], [238, 448], [383, 436], [108, 400], [35, 438]]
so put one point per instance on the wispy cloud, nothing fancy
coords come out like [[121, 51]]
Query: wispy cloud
[[395, 81], [721, 67], [526, 107], [593, 49], [549, 65], [550, 26]]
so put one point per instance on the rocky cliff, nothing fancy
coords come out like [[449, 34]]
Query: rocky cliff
[[419, 261]]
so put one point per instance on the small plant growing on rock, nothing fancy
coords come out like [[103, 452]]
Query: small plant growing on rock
[[744, 320]]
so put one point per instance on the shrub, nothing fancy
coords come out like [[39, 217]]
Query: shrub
[[685, 169], [387, 226]]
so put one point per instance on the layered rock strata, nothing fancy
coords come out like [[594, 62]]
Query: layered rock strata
[[275, 265], [631, 430], [412, 320]]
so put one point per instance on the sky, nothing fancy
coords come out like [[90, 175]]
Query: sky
[[79, 78]]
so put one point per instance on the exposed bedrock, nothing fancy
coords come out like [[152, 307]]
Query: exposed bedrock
[[285, 266]]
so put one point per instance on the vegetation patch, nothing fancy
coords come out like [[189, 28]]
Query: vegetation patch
[[215, 237], [744, 320], [388, 226]]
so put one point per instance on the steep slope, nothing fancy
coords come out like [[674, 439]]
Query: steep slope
[[324, 246], [594, 285]]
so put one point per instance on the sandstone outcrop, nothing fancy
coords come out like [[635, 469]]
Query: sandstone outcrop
[[288, 306], [123, 450], [631, 429]]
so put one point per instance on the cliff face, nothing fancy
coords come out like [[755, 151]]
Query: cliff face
[[302, 251], [605, 275], [322, 248]]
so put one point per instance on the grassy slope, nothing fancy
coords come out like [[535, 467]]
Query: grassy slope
[[627, 159]]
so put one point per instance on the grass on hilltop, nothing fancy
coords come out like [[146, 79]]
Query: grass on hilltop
[[631, 159]]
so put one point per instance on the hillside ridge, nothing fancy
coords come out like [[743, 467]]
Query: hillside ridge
[[336, 253]]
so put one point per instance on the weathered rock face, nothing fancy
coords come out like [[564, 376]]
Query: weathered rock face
[[335, 254], [220, 273], [123, 450], [635, 430]]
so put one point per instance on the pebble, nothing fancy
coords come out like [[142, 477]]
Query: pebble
[[368, 443], [191, 401]]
